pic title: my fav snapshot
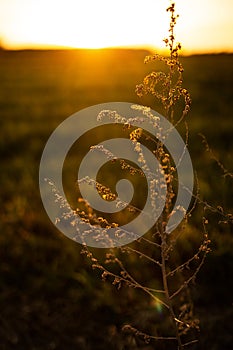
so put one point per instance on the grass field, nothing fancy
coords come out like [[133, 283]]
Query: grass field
[[49, 296]]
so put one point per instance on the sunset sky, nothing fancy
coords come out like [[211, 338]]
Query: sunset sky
[[203, 26]]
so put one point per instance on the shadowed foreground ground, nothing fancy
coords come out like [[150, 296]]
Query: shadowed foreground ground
[[50, 298]]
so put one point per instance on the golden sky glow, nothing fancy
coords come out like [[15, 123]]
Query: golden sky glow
[[204, 25]]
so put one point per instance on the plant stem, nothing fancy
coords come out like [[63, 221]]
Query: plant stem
[[166, 290]]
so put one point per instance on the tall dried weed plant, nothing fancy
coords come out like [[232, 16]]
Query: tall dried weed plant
[[174, 295], [157, 248]]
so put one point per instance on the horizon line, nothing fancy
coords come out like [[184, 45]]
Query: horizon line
[[150, 48]]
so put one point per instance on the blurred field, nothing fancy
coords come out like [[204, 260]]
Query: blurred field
[[49, 296]]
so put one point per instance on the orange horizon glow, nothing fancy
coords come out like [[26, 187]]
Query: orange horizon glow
[[151, 49], [204, 26]]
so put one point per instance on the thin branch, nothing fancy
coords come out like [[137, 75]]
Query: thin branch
[[191, 342], [150, 242], [138, 285], [147, 337], [144, 255], [185, 264], [214, 157], [186, 283]]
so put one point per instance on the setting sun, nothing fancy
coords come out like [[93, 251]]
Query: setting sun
[[203, 25]]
